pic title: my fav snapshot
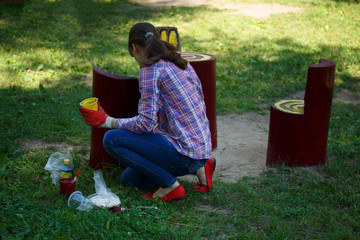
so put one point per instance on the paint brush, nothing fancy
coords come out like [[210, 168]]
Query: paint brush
[[76, 175]]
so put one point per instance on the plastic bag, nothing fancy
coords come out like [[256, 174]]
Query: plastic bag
[[54, 163], [103, 196]]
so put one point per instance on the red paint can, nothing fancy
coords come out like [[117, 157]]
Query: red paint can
[[67, 186]]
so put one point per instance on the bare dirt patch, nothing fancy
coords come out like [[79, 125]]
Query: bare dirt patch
[[39, 144], [210, 208], [242, 142], [241, 151], [260, 11], [171, 3], [344, 95]]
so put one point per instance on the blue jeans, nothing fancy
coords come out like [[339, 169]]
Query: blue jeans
[[150, 158]]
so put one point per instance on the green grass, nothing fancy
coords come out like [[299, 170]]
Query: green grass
[[47, 51]]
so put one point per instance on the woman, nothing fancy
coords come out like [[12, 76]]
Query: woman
[[170, 136]]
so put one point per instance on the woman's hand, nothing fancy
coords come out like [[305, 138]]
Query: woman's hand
[[94, 118]]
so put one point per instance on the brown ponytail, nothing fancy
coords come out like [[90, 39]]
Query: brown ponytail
[[146, 36]]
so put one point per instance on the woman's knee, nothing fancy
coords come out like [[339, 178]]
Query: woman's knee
[[110, 137]]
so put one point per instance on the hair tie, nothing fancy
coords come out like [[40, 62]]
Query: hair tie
[[148, 34]]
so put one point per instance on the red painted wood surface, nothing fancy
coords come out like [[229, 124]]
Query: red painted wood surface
[[205, 67], [119, 97], [301, 139]]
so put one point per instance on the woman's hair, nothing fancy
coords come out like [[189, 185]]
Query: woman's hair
[[146, 36]]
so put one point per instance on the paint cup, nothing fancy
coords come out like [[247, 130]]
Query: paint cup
[[67, 186], [90, 103], [79, 202]]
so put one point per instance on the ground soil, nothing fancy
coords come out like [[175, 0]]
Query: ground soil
[[242, 142], [260, 11]]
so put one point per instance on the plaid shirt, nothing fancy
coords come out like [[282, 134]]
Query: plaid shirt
[[176, 97]]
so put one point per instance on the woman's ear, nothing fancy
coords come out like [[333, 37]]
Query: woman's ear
[[134, 49]]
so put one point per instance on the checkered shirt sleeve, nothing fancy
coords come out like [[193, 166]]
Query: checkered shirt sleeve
[[172, 104]]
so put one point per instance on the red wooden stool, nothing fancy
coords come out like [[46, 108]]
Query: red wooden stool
[[298, 129], [205, 68], [119, 97]]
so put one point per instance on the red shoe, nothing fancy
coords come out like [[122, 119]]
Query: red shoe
[[176, 194], [209, 170]]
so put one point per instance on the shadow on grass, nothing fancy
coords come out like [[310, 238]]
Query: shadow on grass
[[69, 38], [262, 70], [47, 114], [95, 31], [78, 35]]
